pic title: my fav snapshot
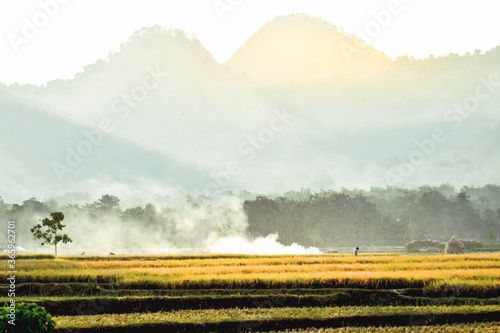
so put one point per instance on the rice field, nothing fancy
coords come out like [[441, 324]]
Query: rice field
[[455, 328], [232, 293], [202, 316]]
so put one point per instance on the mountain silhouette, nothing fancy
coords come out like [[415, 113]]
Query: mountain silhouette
[[298, 49], [290, 109]]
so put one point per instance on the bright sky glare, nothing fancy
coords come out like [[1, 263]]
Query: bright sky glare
[[41, 40]]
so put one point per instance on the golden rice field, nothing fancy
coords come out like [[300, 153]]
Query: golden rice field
[[475, 270], [431, 267], [223, 292]]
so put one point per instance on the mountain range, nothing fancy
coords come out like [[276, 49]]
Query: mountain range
[[300, 104]]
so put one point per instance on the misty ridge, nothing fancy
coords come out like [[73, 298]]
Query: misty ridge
[[162, 112], [301, 104]]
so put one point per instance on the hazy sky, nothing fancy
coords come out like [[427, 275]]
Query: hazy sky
[[37, 45]]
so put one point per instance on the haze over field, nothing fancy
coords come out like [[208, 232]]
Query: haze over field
[[301, 104]]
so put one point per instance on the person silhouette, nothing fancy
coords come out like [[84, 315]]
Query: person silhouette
[[356, 251]]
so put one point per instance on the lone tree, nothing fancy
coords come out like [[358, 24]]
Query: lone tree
[[50, 235]]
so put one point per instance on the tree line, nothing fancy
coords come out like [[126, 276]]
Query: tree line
[[379, 216]]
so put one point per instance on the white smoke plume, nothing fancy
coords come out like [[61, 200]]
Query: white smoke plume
[[260, 245], [182, 225]]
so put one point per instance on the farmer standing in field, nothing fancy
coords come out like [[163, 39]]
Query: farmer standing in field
[[356, 251]]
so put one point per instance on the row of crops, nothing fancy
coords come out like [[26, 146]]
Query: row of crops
[[228, 293]]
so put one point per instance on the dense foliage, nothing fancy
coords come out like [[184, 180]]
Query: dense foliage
[[29, 318], [390, 216]]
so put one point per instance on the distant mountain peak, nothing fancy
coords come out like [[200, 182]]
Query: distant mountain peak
[[302, 48]]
